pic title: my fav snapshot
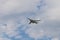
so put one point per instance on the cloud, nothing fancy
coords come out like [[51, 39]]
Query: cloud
[[53, 9], [4, 38], [50, 17], [55, 38], [15, 13], [17, 6]]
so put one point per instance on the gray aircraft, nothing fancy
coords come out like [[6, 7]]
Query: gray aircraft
[[33, 21]]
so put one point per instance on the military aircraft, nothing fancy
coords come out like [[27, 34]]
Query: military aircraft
[[33, 21]]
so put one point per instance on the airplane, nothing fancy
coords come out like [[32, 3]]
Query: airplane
[[33, 21]]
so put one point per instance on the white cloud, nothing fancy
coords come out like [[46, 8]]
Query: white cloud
[[35, 32], [4, 38], [53, 10], [17, 6], [9, 28], [52, 15], [55, 38]]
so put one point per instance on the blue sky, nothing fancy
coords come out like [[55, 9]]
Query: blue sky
[[14, 23]]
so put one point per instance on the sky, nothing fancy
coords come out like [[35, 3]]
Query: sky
[[14, 24]]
